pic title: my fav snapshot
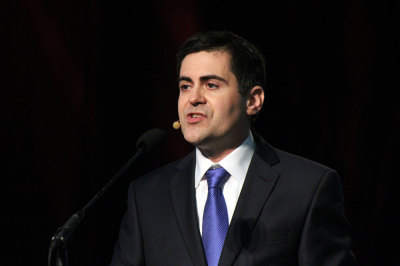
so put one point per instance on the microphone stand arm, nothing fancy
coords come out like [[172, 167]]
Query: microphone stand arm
[[58, 244]]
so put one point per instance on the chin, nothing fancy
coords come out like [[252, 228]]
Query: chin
[[194, 139]]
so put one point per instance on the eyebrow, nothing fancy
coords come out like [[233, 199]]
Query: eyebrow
[[184, 79], [203, 78]]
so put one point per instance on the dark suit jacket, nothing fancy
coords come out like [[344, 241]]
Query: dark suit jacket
[[290, 212]]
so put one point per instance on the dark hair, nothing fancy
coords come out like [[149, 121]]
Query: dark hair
[[247, 62]]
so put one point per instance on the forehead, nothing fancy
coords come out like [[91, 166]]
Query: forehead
[[206, 63]]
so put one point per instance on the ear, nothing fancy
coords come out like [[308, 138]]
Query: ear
[[255, 100]]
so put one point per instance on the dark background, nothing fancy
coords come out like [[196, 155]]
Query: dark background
[[81, 80]]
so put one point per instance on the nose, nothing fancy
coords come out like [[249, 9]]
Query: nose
[[197, 96]]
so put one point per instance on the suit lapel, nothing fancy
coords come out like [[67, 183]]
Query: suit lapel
[[184, 200], [258, 185]]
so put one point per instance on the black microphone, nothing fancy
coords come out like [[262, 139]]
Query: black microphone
[[148, 141]]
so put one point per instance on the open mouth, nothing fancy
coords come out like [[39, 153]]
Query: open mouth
[[195, 117]]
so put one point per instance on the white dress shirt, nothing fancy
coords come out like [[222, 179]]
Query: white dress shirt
[[236, 163]]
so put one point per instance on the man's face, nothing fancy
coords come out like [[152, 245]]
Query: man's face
[[211, 110]]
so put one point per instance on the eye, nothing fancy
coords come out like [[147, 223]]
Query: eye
[[184, 87], [212, 85]]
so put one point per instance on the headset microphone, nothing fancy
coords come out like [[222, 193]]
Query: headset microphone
[[176, 125]]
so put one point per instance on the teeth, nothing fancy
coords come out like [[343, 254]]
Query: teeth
[[194, 116]]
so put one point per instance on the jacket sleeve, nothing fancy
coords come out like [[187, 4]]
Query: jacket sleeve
[[129, 247], [325, 239]]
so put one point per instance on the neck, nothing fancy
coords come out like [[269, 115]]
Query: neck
[[218, 152], [215, 156]]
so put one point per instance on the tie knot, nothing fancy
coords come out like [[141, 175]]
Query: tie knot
[[215, 177]]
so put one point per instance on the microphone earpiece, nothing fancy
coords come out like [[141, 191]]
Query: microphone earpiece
[[176, 125]]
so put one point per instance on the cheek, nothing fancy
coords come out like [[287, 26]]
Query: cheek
[[225, 113], [234, 113], [234, 108], [180, 105]]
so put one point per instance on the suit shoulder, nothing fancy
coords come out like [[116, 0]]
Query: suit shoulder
[[304, 175], [292, 163], [285, 161], [160, 174]]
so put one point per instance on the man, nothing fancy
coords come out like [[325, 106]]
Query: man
[[235, 200]]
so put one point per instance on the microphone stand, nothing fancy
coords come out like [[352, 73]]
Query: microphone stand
[[58, 252]]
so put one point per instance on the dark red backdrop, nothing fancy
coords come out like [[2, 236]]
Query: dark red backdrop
[[82, 80]]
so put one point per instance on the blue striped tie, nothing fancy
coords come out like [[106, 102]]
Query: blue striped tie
[[215, 217]]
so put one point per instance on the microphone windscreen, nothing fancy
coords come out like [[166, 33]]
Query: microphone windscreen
[[150, 139], [176, 125]]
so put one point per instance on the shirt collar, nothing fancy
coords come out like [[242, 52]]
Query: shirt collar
[[236, 163]]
